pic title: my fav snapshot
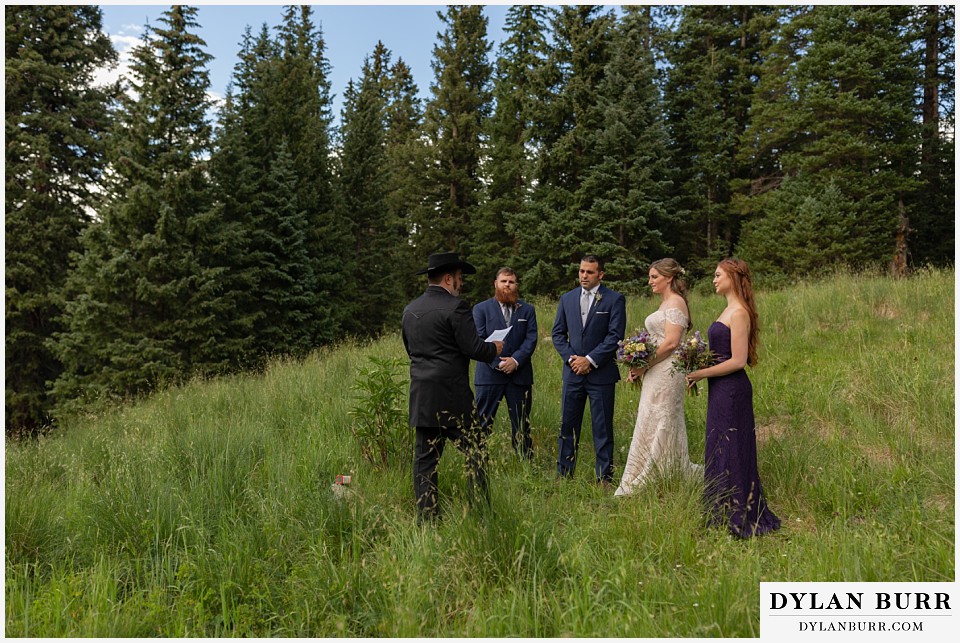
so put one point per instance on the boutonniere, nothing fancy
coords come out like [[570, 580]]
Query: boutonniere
[[597, 298]]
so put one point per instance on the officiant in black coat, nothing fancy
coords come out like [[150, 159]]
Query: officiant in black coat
[[440, 337]]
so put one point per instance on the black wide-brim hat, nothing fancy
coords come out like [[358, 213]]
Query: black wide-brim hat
[[447, 261]]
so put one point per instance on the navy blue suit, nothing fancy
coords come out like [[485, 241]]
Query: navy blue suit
[[597, 339], [492, 385]]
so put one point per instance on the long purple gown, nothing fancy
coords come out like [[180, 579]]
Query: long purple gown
[[733, 494]]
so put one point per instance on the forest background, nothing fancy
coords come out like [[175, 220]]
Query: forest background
[[146, 244]]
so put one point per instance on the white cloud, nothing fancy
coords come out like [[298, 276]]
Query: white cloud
[[124, 42]]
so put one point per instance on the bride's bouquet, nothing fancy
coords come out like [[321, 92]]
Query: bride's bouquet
[[691, 355], [636, 351]]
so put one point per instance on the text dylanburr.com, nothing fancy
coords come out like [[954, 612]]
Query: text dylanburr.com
[[910, 611]]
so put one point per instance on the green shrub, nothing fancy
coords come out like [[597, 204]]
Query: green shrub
[[380, 414]]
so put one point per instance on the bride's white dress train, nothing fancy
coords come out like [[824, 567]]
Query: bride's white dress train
[[660, 434]]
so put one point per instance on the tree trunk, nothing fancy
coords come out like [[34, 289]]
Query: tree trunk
[[931, 86], [898, 267]]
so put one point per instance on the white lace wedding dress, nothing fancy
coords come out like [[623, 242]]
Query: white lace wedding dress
[[660, 434]]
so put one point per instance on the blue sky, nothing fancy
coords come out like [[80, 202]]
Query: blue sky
[[351, 31]]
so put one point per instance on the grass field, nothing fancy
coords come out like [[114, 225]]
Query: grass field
[[206, 510]]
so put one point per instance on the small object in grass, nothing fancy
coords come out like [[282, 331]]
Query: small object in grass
[[343, 480]]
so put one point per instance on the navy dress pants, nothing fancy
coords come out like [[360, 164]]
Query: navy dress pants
[[575, 396], [519, 399]]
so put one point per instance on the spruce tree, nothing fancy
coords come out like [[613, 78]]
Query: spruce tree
[[144, 302], [406, 158], [55, 123], [285, 284], [933, 220], [713, 55], [365, 180], [270, 270], [454, 120], [298, 106], [552, 230], [846, 118], [517, 91], [236, 178], [624, 197]]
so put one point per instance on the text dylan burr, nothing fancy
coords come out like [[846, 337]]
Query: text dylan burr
[[855, 601]]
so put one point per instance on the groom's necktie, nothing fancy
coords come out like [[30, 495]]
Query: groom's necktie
[[506, 314], [584, 306]]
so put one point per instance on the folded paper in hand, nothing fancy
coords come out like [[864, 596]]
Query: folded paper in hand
[[498, 335]]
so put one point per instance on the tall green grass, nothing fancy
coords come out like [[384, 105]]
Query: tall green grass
[[206, 510]]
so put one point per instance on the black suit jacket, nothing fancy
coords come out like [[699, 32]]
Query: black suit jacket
[[441, 339]]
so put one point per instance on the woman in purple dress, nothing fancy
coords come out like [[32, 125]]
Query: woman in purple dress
[[733, 493]]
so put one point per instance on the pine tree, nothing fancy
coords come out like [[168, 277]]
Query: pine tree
[[846, 118], [518, 89], [624, 196], [237, 178], [144, 302], [365, 180], [298, 106], [54, 155], [806, 225], [270, 270], [713, 56], [280, 104], [454, 121], [933, 220], [552, 231], [406, 158], [285, 284]]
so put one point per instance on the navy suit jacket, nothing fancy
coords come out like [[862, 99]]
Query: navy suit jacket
[[519, 343], [597, 338]]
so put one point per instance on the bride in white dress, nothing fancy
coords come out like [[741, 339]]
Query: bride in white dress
[[660, 434]]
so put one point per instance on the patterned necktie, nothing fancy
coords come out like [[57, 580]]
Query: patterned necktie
[[506, 314], [584, 305]]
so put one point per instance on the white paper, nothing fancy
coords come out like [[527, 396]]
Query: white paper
[[498, 335]]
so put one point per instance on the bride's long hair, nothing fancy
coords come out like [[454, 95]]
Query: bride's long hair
[[739, 273], [671, 268]]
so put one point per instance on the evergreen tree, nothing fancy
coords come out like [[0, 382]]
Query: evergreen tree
[[144, 300], [552, 230], [270, 271], [846, 118], [518, 90], [454, 121], [806, 225], [298, 108], [624, 196], [279, 105], [406, 158], [236, 178], [285, 284], [713, 55], [54, 155], [365, 181], [933, 220]]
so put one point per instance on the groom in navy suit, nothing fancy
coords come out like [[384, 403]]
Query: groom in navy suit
[[511, 374], [591, 320]]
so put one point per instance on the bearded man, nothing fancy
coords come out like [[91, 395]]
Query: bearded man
[[510, 375]]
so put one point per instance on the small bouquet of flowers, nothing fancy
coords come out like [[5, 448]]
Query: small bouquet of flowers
[[636, 351], [691, 355]]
